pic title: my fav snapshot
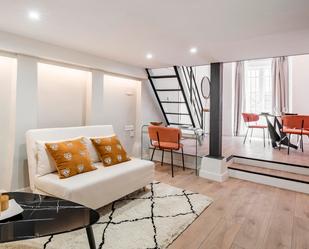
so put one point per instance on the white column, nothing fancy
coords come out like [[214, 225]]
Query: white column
[[7, 112], [25, 118], [95, 90], [136, 151]]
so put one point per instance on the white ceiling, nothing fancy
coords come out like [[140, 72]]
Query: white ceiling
[[125, 30]]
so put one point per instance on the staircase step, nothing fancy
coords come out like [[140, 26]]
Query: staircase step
[[176, 113], [258, 162], [163, 76], [173, 102], [276, 178], [168, 90], [180, 124], [270, 172]]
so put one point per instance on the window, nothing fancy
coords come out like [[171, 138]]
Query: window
[[258, 87]]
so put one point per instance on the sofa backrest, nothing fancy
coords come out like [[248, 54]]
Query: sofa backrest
[[55, 134]]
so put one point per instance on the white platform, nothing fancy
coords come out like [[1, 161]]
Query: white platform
[[214, 169]]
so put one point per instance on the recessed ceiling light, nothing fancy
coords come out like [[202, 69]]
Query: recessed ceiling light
[[149, 56], [193, 50], [34, 15]]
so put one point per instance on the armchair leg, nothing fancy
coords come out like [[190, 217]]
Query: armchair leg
[[289, 144], [251, 135], [162, 157], [302, 143], [183, 159], [264, 136], [172, 163], [153, 151], [246, 135]]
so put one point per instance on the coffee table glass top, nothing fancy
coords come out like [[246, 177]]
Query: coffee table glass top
[[43, 216]]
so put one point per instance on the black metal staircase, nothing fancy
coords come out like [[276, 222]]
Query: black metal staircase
[[178, 96]]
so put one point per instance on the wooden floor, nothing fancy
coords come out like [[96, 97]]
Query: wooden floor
[[244, 215], [255, 149]]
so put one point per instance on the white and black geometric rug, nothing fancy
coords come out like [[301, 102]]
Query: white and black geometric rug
[[151, 219]]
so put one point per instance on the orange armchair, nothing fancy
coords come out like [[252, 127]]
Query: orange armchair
[[251, 119], [295, 125], [166, 138]]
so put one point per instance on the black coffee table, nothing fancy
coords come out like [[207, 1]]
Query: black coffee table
[[44, 216]]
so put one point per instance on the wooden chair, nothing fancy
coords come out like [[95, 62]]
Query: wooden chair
[[166, 138]]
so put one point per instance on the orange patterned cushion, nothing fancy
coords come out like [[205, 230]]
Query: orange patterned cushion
[[110, 150], [71, 157]]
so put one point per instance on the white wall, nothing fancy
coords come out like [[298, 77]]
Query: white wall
[[299, 83], [7, 107], [119, 107], [150, 109], [61, 96]]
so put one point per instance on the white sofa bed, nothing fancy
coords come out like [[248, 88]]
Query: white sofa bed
[[95, 188]]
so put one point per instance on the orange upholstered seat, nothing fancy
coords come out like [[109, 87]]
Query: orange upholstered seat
[[292, 131]]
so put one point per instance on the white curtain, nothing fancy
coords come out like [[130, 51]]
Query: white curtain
[[280, 84], [238, 94]]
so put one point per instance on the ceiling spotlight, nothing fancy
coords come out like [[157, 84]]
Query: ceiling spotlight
[[193, 50], [34, 15], [149, 56]]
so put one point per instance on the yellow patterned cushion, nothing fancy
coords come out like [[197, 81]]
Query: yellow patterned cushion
[[71, 157], [110, 150]]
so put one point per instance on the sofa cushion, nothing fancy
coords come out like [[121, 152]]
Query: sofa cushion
[[100, 187], [110, 150], [46, 164], [71, 157]]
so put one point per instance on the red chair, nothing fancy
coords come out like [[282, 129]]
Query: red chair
[[251, 120], [295, 125], [166, 138]]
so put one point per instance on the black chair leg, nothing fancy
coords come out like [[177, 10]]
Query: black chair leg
[[162, 157], [172, 163], [183, 159], [289, 144], [153, 151], [302, 143]]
